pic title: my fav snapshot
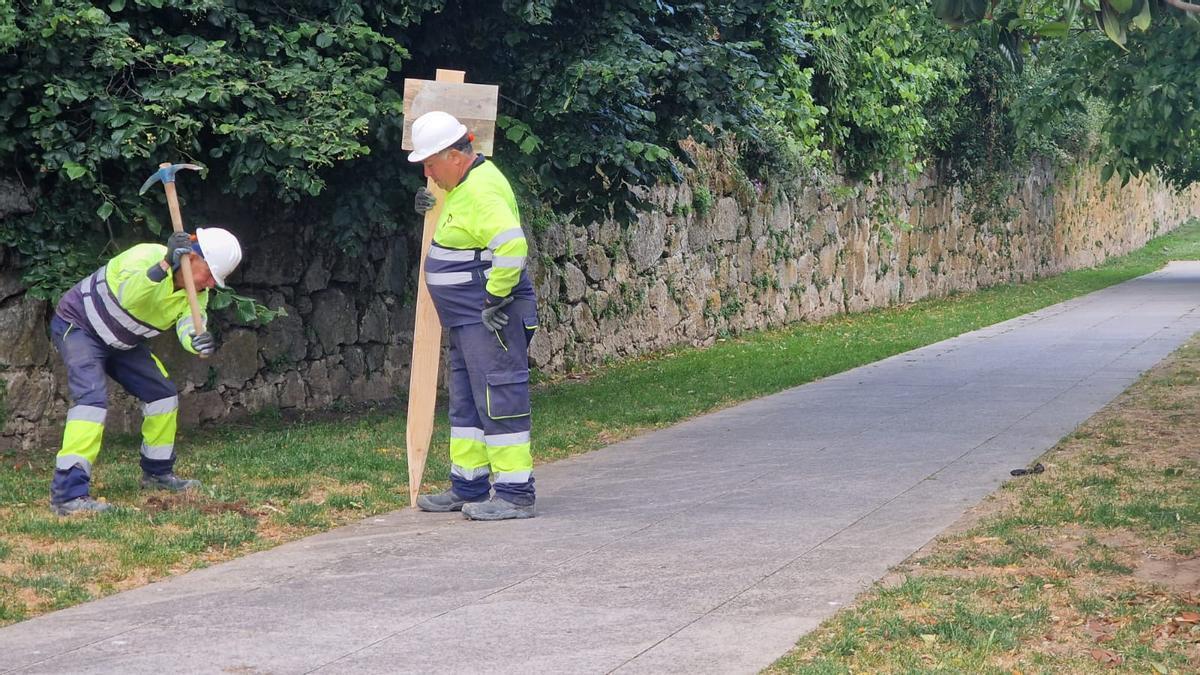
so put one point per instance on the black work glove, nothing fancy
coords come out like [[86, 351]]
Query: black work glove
[[179, 244], [424, 201], [493, 318], [204, 343]]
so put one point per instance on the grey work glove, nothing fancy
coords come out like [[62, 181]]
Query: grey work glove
[[493, 318], [179, 244], [204, 343], [424, 201]]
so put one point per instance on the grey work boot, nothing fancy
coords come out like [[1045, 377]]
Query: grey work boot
[[84, 504], [168, 481], [497, 508], [444, 502]]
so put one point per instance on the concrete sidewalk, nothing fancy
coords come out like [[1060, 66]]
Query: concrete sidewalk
[[707, 547]]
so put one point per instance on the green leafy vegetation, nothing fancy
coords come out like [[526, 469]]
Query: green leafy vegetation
[[1135, 59], [295, 111]]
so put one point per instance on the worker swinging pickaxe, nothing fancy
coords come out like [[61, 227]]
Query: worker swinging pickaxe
[[166, 174]]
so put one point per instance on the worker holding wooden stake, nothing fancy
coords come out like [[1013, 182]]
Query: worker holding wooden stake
[[475, 272], [100, 327]]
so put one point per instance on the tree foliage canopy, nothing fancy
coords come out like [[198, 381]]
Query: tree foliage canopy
[[1145, 72], [295, 110]]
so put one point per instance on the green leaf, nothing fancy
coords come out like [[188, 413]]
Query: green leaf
[[1111, 23], [245, 310], [1106, 173], [1054, 29], [1121, 6], [74, 170], [116, 5], [219, 299], [324, 40], [152, 222], [1142, 20], [105, 210], [529, 145]]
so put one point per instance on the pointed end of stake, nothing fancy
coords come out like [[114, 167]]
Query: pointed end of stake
[[414, 482]]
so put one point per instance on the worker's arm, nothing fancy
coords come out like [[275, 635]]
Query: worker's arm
[[137, 281], [185, 329], [506, 240]]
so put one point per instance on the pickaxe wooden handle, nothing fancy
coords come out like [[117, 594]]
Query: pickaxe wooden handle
[[166, 174]]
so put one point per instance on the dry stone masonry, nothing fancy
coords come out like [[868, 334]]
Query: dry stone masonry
[[714, 257]]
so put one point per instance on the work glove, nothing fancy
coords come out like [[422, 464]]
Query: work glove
[[493, 318], [424, 201], [204, 343], [179, 244]]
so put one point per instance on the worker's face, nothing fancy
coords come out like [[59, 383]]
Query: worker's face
[[445, 168], [201, 274]]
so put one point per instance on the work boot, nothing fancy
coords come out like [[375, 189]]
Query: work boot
[[169, 482], [497, 508], [84, 504], [444, 502]]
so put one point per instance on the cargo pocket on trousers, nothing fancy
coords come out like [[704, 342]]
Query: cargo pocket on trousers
[[531, 326], [508, 394]]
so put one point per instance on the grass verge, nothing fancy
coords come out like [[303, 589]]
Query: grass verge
[[1088, 567], [275, 480]]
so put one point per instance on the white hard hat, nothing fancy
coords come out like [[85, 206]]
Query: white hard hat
[[433, 132], [221, 251]]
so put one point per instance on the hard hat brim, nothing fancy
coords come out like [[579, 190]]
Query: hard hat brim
[[416, 157]]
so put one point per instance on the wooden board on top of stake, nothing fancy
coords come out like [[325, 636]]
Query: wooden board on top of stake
[[475, 106]]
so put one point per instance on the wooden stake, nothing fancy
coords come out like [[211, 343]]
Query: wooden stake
[[427, 346]]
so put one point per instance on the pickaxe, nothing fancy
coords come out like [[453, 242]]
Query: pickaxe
[[166, 174]]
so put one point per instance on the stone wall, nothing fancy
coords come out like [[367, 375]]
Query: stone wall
[[683, 276], [716, 257]]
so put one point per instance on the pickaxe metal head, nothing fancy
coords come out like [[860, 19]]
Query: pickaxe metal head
[[166, 174]]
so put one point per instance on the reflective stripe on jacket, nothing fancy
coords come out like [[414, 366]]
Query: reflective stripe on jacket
[[122, 305]]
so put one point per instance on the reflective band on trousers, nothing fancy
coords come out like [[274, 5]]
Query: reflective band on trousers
[[157, 451], [87, 413], [513, 476], [447, 278], [509, 261], [64, 462], [99, 326], [469, 474], [161, 406], [468, 433], [507, 439], [505, 237]]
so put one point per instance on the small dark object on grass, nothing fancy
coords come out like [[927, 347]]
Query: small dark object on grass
[[1037, 468]]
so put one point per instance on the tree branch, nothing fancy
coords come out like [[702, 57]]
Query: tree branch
[[1183, 5]]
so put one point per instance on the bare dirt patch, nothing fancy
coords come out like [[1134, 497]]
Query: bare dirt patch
[[200, 502], [1180, 576]]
